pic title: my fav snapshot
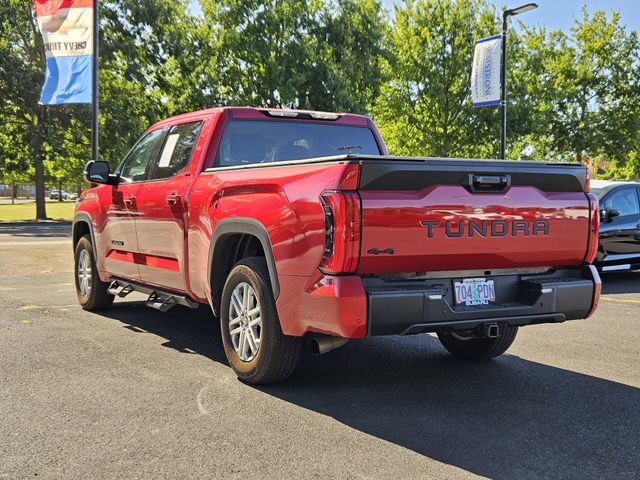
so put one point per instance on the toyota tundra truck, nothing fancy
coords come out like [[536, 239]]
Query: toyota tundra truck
[[288, 223]]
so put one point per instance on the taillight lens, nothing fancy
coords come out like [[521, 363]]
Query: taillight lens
[[594, 228], [342, 231]]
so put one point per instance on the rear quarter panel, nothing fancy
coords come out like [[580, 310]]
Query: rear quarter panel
[[284, 199]]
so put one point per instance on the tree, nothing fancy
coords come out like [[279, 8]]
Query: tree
[[144, 54], [13, 167], [579, 91], [425, 106], [148, 53], [314, 54], [21, 60]]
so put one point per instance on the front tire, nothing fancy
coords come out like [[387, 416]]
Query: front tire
[[254, 344], [93, 294], [470, 347]]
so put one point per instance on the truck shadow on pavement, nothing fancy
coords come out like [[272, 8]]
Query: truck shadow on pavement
[[503, 419], [36, 230]]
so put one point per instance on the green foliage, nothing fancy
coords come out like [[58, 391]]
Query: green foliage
[[580, 90], [425, 106], [315, 54], [147, 57]]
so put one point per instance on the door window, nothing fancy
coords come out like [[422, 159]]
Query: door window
[[177, 150], [138, 162], [624, 200]]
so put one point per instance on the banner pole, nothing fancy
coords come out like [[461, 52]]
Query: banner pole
[[94, 84], [503, 90]]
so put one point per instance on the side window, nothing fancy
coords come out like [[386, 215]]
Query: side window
[[177, 150], [624, 200], [137, 164]]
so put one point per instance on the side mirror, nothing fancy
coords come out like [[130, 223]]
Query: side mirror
[[98, 172], [608, 214]]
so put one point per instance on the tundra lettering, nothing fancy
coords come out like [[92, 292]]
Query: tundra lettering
[[487, 228]]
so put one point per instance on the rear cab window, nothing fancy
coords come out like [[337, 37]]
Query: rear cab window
[[246, 142]]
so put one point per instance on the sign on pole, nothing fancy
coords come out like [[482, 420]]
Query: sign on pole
[[67, 32], [485, 73]]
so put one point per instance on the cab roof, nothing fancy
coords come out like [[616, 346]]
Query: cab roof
[[260, 113]]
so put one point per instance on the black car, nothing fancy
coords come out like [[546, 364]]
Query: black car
[[619, 247]]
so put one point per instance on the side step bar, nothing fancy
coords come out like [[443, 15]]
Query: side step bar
[[158, 299]]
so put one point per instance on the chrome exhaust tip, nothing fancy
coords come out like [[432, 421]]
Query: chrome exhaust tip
[[320, 345]]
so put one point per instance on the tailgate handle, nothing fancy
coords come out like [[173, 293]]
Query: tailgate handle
[[479, 183]]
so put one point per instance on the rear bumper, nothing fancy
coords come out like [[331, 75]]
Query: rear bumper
[[408, 307], [355, 307]]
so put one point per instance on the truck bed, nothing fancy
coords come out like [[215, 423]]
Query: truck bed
[[434, 214]]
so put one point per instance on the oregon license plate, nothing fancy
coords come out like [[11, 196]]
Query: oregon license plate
[[475, 291]]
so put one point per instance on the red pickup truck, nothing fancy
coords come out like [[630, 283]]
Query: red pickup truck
[[287, 222]]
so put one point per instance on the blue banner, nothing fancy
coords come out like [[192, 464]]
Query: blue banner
[[67, 33], [67, 80]]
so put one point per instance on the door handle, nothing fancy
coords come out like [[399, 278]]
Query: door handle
[[173, 199], [130, 202]]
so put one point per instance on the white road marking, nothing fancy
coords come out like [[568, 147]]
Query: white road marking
[[201, 407]]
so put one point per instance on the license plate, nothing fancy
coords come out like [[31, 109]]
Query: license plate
[[475, 291]]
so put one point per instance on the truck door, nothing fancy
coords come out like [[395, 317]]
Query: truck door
[[621, 236], [121, 242], [162, 206]]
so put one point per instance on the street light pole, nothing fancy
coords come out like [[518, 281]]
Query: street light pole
[[503, 74], [503, 89]]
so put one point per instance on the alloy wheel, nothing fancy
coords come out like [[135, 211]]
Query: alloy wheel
[[245, 321], [84, 273]]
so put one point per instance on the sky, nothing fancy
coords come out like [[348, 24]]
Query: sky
[[559, 14]]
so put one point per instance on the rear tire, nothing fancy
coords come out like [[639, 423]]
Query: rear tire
[[478, 348], [254, 344], [93, 294]]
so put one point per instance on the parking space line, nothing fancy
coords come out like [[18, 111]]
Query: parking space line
[[619, 300]]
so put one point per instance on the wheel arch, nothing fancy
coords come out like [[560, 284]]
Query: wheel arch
[[82, 224], [232, 240]]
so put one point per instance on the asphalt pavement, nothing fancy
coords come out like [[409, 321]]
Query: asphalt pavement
[[134, 393]]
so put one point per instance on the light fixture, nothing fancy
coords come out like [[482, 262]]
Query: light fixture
[[519, 10]]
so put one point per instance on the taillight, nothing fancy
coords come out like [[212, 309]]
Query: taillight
[[342, 231], [592, 249]]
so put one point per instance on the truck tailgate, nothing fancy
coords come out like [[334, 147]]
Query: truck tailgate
[[423, 215]]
